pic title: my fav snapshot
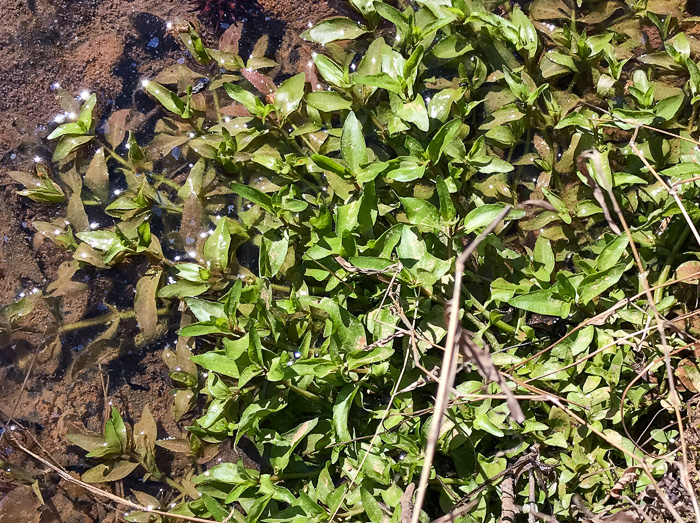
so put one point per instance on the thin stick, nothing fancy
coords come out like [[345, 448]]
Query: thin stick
[[671, 191], [629, 454], [675, 400], [532, 498], [449, 362], [601, 316], [100, 492], [377, 432]]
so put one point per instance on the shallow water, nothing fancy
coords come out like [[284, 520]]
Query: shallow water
[[105, 47]]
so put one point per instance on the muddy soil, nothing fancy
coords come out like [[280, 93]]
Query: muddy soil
[[104, 46]]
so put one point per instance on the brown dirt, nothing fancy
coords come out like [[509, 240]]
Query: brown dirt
[[102, 46]]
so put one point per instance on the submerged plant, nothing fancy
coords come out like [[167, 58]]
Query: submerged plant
[[308, 230]]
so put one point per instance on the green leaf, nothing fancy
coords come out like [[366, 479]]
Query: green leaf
[[289, 94], [381, 81], [216, 509], [596, 284], [329, 164], [216, 248], [448, 212], [68, 144], [558, 439], [667, 108], [332, 72], [247, 99], [612, 252], [205, 310], [482, 422], [253, 195], [486, 214], [542, 302], [394, 16], [421, 213], [284, 445], [341, 412], [66, 128], [217, 362], [328, 101], [182, 289], [273, 251], [352, 143], [371, 506], [415, 112], [85, 116], [544, 255], [442, 139], [335, 29], [406, 169], [165, 96], [256, 412]]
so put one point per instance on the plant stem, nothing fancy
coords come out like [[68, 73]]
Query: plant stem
[[101, 320], [323, 402], [693, 117], [659, 293]]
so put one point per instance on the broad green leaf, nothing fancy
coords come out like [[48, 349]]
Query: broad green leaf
[[335, 29], [341, 412], [289, 95], [544, 256], [216, 248], [332, 72], [328, 101], [205, 310], [394, 16], [542, 302], [165, 96], [352, 143], [612, 253], [273, 251], [596, 284], [405, 169], [284, 445], [381, 81], [442, 139], [253, 195], [66, 128], [246, 98], [68, 144], [217, 362], [421, 213], [371, 506], [486, 214]]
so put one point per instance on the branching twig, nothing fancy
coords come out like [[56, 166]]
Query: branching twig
[[449, 363], [99, 492]]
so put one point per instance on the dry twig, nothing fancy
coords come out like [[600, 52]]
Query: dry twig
[[449, 363]]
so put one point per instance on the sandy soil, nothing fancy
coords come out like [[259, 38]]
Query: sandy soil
[[104, 46]]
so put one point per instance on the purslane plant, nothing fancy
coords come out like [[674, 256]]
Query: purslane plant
[[307, 228]]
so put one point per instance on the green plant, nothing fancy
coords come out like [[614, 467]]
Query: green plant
[[359, 197]]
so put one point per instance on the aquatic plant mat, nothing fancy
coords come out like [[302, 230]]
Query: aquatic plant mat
[[450, 272]]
